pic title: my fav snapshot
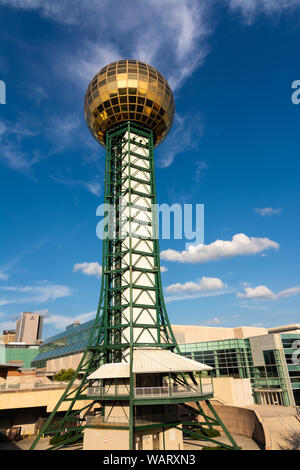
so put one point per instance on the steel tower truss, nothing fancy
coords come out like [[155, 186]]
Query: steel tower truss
[[131, 311]]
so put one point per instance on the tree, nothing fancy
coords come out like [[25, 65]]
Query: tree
[[64, 375]]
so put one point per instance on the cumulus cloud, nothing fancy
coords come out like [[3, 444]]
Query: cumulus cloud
[[259, 292], [90, 269], [267, 211], [240, 244], [264, 293], [204, 287], [163, 269]]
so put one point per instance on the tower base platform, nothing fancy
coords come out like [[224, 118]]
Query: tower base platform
[[106, 438]]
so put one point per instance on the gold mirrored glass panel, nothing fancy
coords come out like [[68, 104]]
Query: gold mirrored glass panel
[[129, 90]]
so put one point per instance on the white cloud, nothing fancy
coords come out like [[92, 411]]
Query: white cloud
[[267, 211], [2, 129], [204, 287], [240, 244], [93, 187], [6, 322], [173, 34], [264, 293], [3, 276], [6, 302], [201, 166], [181, 139], [163, 269], [60, 322], [214, 321], [250, 9], [259, 292], [13, 137], [90, 269], [83, 64], [289, 292], [175, 31], [40, 293]]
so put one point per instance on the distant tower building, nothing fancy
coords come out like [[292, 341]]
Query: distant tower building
[[29, 328]]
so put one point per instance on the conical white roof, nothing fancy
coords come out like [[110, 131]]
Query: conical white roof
[[149, 360]]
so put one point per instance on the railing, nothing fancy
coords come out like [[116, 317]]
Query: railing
[[152, 392], [120, 390], [145, 420], [180, 391], [161, 418], [107, 420], [20, 386]]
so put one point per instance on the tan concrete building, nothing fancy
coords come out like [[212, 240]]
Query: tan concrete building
[[8, 336], [29, 328], [198, 334]]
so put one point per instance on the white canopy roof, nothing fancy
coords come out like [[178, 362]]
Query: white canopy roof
[[113, 370], [149, 360], [162, 360]]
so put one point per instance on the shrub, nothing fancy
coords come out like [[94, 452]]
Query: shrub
[[60, 438], [214, 448], [203, 432], [64, 375]]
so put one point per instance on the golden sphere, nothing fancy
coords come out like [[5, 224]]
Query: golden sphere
[[129, 90]]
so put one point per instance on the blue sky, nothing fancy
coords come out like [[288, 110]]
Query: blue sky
[[234, 147]]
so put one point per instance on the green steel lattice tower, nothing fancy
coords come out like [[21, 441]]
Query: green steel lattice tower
[[129, 109]]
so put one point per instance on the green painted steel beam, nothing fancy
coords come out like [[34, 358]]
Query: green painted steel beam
[[116, 314]]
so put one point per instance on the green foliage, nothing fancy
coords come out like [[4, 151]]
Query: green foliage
[[60, 438], [214, 448], [209, 432], [64, 375], [203, 432]]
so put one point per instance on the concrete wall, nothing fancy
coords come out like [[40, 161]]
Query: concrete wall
[[48, 397], [106, 439], [198, 334], [241, 421], [65, 362], [25, 378], [230, 391], [118, 439]]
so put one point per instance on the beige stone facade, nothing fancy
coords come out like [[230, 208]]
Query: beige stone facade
[[198, 334]]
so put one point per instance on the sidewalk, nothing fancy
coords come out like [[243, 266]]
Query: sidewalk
[[279, 422], [242, 441]]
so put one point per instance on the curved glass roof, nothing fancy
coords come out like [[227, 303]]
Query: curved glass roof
[[72, 340]]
